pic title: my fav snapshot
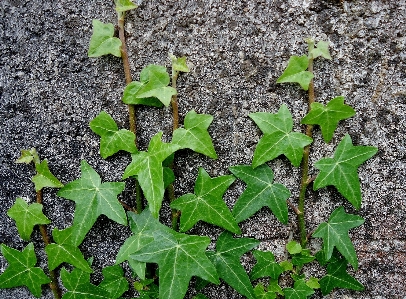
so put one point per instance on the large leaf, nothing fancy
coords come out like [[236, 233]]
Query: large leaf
[[22, 271], [206, 203], [26, 217], [260, 192], [195, 136], [44, 177], [147, 166], [341, 170], [112, 139], [93, 198], [278, 138], [124, 5], [153, 86], [265, 266], [300, 290], [335, 234], [179, 257], [296, 71], [103, 41], [327, 117], [226, 259]]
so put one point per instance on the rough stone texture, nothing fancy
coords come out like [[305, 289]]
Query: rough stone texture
[[50, 90]]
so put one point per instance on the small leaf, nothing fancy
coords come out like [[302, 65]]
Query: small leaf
[[260, 192], [28, 156], [26, 217], [335, 234], [260, 292], [124, 5], [265, 266], [179, 64], [304, 257], [200, 296], [296, 72], [114, 281], [22, 271], [327, 117], [207, 203], [286, 265], [278, 138], [313, 283], [341, 170], [299, 291], [102, 41], [44, 177], [195, 136], [112, 139], [153, 86], [293, 247], [226, 259], [321, 50]]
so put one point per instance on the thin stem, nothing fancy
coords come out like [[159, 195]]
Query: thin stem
[[43, 229]]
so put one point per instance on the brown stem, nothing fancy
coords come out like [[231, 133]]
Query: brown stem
[[292, 206], [127, 207]]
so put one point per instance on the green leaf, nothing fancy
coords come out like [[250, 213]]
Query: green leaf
[[147, 166], [313, 283], [293, 247], [44, 178], [278, 138], [124, 5], [341, 170], [114, 281], [337, 277], [299, 291], [179, 257], [103, 41], [195, 136], [22, 271], [226, 259], [26, 217], [335, 234], [286, 265], [28, 156], [200, 296], [260, 192], [153, 86], [260, 292], [265, 266], [321, 50], [296, 72], [207, 203], [112, 139], [93, 198], [303, 257], [327, 117], [179, 64]]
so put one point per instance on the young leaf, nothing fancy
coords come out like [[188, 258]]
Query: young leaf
[[147, 166], [179, 64], [226, 259], [26, 217], [22, 271], [124, 5], [265, 266], [341, 170], [296, 71], [114, 281], [313, 283], [153, 86], [260, 292], [28, 156], [260, 192], [93, 198], [327, 117], [200, 296], [195, 136], [303, 257], [278, 138], [44, 178], [335, 234], [321, 50], [179, 257], [300, 290], [207, 203], [293, 247], [112, 139], [103, 41]]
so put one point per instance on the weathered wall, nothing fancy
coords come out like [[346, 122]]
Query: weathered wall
[[50, 90]]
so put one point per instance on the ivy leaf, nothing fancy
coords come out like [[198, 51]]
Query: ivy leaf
[[335, 234], [179, 64], [153, 86], [313, 283], [226, 259], [93, 198], [114, 281], [103, 41], [321, 50], [278, 138], [260, 292], [44, 177], [327, 117], [22, 271], [341, 170], [147, 166], [26, 217], [195, 136], [179, 257], [28, 156], [303, 257], [260, 192], [296, 71], [112, 139], [300, 290], [265, 266], [124, 5], [207, 203], [294, 247], [200, 296]]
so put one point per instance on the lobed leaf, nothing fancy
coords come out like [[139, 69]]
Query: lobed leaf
[[265, 266], [321, 50], [296, 71], [124, 5], [300, 290], [179, 64], [103, 41], [44, 177]]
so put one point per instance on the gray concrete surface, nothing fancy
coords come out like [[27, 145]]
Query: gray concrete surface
[[50, 90]]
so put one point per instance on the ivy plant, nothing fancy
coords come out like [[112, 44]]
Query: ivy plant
[[163, 259]]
